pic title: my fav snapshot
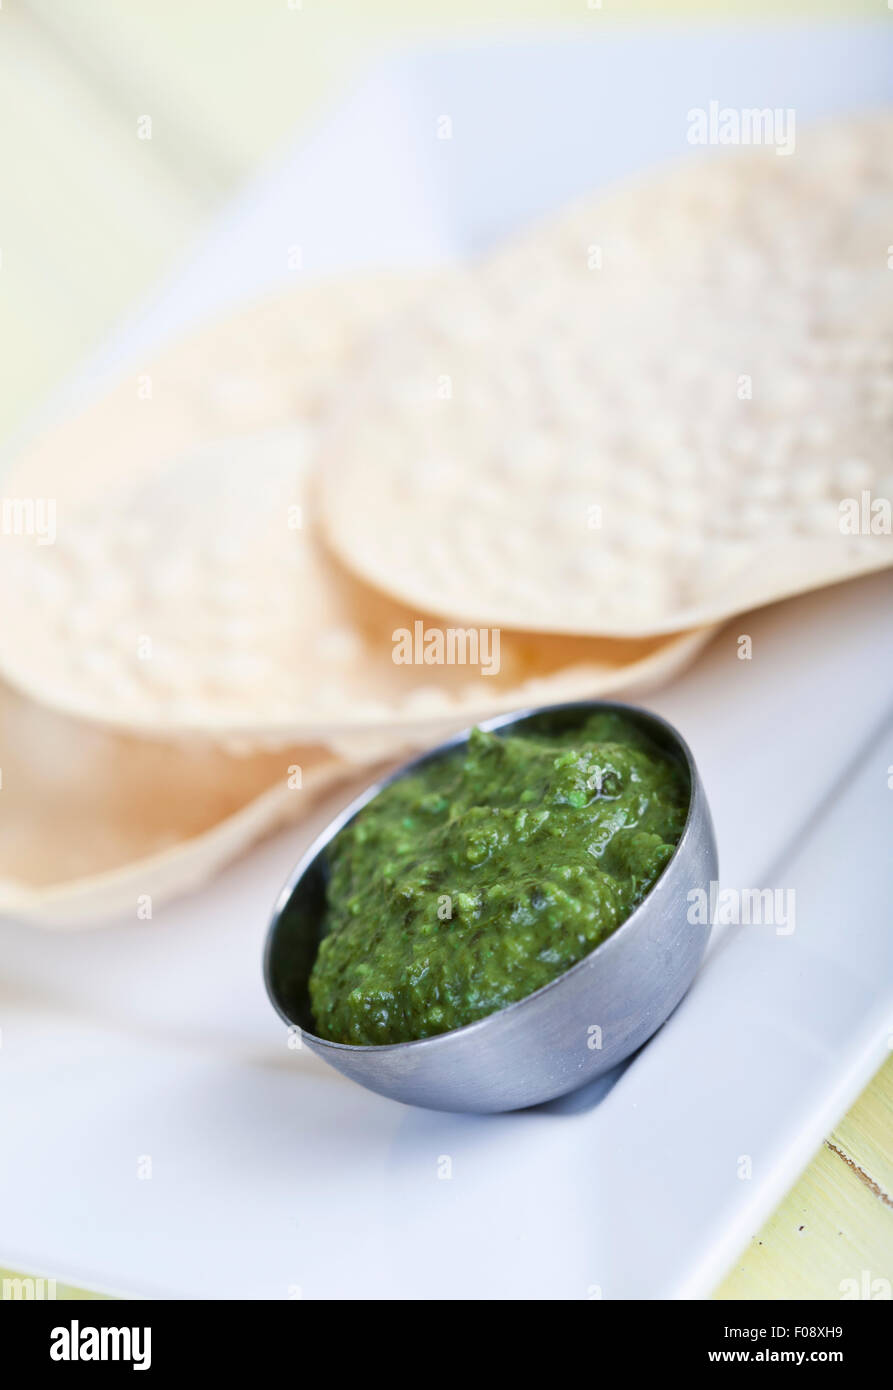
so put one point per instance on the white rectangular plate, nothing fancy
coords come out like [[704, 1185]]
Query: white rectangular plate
[[270, 1174]]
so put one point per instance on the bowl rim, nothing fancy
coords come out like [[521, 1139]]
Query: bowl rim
[[359, 802]]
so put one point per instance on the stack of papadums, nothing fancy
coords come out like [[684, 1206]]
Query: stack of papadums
[[353, 519]]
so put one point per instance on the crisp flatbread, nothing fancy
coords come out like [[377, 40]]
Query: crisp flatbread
[[669, 404], [95, 824], [188, 588]]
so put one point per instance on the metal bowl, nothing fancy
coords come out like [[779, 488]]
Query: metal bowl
[[565, 1034]]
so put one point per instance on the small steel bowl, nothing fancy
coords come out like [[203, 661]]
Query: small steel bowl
[[564, 1035]]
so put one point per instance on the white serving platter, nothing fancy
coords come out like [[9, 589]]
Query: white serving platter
[[273, 1177]]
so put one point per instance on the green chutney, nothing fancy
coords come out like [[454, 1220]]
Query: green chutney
[[485, 874]]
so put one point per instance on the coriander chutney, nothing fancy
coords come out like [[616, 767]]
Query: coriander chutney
[[483, 875]]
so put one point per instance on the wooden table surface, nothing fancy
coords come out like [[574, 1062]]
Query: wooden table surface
[[91, 215]]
